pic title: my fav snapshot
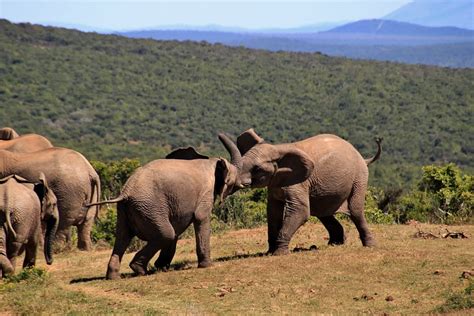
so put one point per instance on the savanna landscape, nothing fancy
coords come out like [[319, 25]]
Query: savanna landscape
[[123, 102]]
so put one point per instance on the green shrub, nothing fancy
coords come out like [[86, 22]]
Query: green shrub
[[243, 209], [30, 274], [458, 301], [452, 191], [104, 228], [373, 213], [114, 174]]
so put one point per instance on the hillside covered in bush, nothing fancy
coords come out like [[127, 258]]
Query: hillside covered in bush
[[112, 97]]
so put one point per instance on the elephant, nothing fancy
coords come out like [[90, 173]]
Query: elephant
[[161, 199], [24, 206], [72, 179], [11, 141], [317, 176], [8, 133]]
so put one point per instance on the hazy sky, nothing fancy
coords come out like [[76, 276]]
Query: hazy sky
[[128, 14]]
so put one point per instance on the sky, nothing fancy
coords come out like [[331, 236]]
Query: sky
[[142, 14]]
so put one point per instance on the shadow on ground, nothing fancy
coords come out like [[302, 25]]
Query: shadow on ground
[[186, 265]]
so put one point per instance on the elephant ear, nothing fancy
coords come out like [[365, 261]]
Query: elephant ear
[[223, 184], [247, 140], [44, 193], [8, 133], [188, 153], [294, 166]]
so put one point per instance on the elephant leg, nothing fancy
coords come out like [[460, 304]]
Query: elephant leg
[[139, 263], [165, 235], [166, 256], [335, 229], [356, 211], [295, 214], [123, 237], [6, 266], [202, 230], [63, 235], [84, 229], [13, 252], [30, 252], [274, 221]]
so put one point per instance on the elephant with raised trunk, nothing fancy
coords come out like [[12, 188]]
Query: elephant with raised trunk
[[72, 179], [161, 199], [24, 206], [11, 141], [317, 176]]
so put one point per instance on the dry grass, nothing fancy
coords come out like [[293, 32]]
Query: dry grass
[[418, 274]]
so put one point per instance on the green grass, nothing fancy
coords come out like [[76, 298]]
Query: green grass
[[421, 275]]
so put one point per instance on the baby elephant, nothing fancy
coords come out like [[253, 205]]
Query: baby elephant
[[161, 199], [24, 206]]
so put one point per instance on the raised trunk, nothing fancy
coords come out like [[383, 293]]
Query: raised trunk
[[51, 228], [235, 156]]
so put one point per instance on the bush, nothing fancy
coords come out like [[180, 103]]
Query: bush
[[104, 228], [245, 209], [451, 190], [373, 213], [114, 174]]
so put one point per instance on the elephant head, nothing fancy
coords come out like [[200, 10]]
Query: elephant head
[[265, 165], [49, 215], [7, 133], [225, 173]]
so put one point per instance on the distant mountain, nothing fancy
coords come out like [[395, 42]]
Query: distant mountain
[[388, 27], [457, 13], [367, 39]]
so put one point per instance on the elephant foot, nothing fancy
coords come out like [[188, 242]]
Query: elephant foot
[[205, 264], [6, 267], [138, 268], [281, 251], [112, 275], [369, 242], [84, 245], [162, 267], [336, 242]]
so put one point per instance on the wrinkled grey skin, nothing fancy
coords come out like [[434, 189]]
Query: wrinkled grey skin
[[161, 199], [72, 179], [23, 207], [317, 176]]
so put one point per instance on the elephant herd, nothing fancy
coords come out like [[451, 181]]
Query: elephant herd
[[44, 190]]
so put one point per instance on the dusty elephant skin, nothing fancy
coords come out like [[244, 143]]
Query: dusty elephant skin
[[11, 141], [316, 176], [161, 199], [23, 207], [72, 179]]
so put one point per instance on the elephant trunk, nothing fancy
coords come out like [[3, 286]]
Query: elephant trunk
[[51, 227], [235, 156]]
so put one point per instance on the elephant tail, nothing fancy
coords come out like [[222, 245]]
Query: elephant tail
[[8, 219], [379, 151], [116, 200], [96, 194]]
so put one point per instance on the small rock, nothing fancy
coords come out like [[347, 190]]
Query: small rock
[[438, 272], [389, 298]]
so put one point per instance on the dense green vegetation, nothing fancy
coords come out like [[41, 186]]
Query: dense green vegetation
[[112, 97]]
